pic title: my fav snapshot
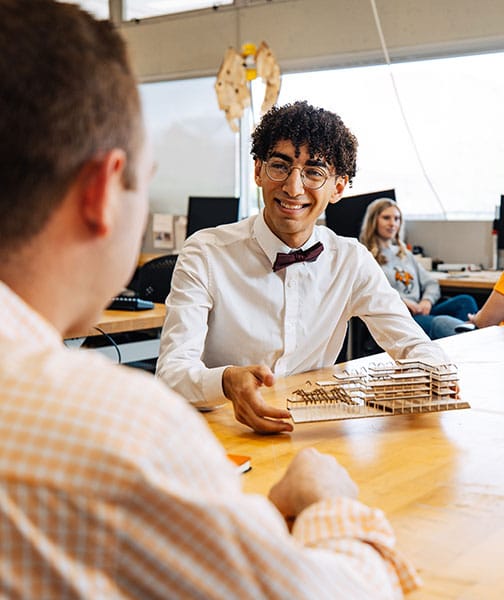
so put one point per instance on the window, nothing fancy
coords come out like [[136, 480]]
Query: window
[[142, 9], [98, 8], [452, 165], [194, 148]]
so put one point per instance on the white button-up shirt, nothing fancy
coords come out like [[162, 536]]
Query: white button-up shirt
[[228, 307]]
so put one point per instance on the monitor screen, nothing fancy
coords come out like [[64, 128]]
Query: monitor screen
[[345, 217], [207, 211]]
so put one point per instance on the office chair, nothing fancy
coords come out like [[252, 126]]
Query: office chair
[[152, 281], [154, 278], [345, 218]]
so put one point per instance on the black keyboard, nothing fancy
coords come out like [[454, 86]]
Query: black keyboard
[[130, 303]]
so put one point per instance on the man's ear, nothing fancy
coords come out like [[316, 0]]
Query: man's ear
[[100, 185], [339, 188], [257, 172]]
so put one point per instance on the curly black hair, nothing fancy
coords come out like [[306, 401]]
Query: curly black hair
[[322, 131]]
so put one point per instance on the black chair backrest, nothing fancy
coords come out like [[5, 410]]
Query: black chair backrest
[[154, 278], [345, 217]]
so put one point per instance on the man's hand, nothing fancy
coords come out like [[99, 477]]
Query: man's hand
[[310, 477], [241, 385]]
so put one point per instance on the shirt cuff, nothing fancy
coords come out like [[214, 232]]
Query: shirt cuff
[[332, 523], [211, 383]]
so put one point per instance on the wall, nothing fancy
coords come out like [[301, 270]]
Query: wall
[[313, 34], [453, 241]]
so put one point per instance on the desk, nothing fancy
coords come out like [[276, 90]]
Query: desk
[[147, 256], [438, 476], [122, 321], [125, 321], [467, 281]]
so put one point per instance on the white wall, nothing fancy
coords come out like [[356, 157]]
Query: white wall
[[313, 34], [453, 241]]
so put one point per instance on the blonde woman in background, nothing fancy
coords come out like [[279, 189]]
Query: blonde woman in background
[[380, 233]]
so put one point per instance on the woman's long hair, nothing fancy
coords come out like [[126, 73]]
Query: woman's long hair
[[368, 234]]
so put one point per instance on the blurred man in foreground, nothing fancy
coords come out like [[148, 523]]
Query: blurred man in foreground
[[111, 485]]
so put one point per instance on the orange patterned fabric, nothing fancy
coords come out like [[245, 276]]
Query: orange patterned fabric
[[113, 487]]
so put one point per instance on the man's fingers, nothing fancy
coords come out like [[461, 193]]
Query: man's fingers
[[265, 426], [262, 409], [264, 375], [241, 385], [262, 418]]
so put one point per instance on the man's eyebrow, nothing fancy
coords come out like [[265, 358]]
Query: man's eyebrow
[[317, 162], [282, 156], [311, 162]]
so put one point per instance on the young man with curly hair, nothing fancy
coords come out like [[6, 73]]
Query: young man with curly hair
[[272, 294]]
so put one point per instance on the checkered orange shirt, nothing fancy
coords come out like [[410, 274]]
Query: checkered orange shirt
[[111, 487]]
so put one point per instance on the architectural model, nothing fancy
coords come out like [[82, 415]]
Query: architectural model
[[384, 389]]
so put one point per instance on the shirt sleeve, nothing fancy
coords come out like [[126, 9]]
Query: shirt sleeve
[[362, 532], [385, 314], [239, 547], [188, 305], [188, 531], [499, 286]]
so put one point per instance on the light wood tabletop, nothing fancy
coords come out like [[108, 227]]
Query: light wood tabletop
[[122, 321], [467, 280], [145, 257], [438, 476]]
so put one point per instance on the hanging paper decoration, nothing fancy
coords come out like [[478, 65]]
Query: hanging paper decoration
[[235, 74]]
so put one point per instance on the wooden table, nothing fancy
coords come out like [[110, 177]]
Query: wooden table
[[122, 321], [147, 256], [467, 281], [132, 349], [438, 476]]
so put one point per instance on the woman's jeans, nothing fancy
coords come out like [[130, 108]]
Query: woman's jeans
[[446, 315]]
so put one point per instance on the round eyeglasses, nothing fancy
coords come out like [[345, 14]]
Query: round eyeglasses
[[311, 176]]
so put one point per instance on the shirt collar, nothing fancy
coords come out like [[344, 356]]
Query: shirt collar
[[18, 321], [271, 244]]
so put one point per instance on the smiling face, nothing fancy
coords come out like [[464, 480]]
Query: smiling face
[[388, 224], [291, 209]]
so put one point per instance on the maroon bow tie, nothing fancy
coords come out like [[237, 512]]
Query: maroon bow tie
[[284, 259]]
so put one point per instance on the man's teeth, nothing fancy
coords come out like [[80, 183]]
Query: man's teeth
[[291, 206]]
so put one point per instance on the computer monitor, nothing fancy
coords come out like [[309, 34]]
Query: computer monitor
[[209, 211], [345, 217]]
